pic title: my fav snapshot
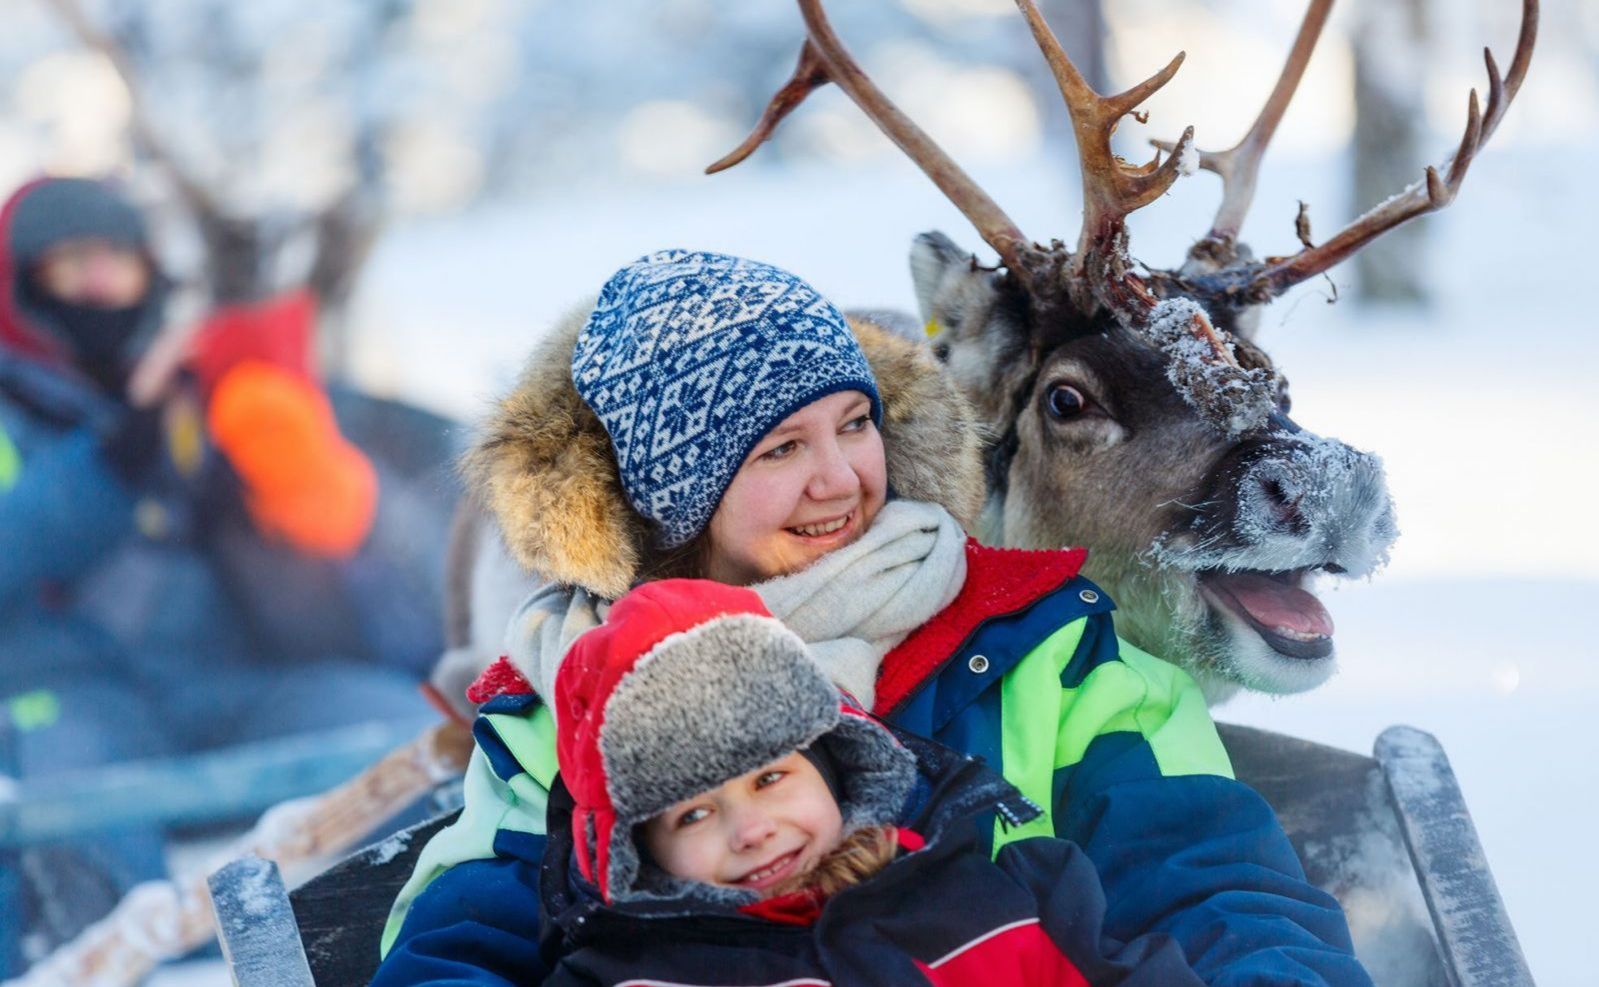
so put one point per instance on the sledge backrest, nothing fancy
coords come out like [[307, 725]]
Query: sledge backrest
[[1355, 821]]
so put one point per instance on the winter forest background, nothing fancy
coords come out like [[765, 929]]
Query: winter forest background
[[451, 175]]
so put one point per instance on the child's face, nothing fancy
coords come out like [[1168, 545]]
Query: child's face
[[756, 831]]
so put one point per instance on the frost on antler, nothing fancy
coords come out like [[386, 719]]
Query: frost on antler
[[1201, 365]]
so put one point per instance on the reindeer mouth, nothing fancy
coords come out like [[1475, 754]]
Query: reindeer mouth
[[1287, 616]]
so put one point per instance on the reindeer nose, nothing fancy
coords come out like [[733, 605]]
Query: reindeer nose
[[1273, 497], [1284, 503], [1318, 504]]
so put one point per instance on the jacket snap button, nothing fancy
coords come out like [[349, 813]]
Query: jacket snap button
[[1088, 596], [978, 664]]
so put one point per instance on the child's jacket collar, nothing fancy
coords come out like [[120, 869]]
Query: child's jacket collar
[[951, 788], [999, 581]]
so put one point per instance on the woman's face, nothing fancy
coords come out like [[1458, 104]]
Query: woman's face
[[811, 485]]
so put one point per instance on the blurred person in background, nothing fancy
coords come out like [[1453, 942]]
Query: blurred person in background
[[175, 574]]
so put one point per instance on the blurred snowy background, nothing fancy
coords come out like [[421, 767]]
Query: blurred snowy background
[[463, 171]]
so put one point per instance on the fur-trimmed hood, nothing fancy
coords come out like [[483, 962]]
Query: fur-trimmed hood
[[543, 464]]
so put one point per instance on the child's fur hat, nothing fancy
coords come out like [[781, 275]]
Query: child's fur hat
[[687, 684]]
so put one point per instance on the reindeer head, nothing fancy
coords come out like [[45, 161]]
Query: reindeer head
[[1132, 410]]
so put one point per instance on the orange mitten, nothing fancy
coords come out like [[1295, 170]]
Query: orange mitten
[[305, 483]]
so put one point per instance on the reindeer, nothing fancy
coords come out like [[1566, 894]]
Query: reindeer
[[1131, 408]]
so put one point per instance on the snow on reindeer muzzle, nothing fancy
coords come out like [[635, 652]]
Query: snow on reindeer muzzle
[[1278, 508]]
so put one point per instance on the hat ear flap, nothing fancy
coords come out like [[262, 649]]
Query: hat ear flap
[[581, 819], [602, 822]]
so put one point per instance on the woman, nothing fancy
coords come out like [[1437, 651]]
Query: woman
[[721, 419]]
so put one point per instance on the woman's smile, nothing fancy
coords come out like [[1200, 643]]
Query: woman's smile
[[834, 529]]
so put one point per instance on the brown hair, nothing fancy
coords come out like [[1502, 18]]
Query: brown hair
[[862, 854], [687, 561]]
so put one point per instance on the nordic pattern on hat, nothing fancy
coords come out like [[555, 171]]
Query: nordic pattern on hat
[[690, 358]]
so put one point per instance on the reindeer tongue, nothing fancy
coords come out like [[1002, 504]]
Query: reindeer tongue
[[1273, 607]]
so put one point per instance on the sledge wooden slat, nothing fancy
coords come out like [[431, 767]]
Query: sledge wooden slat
[[1336, 807], [342, 911], [1459, 889], [256, 927]]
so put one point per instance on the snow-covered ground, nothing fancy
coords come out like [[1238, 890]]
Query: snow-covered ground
[[1483, 409]]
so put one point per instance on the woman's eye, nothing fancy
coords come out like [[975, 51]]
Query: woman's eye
[[857, 424], [780, 451], [1065, 402]]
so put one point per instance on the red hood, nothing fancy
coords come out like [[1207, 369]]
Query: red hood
[[17, 335]]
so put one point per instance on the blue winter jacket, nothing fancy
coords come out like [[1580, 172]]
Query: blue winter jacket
[[942, 912], [1023, 669]]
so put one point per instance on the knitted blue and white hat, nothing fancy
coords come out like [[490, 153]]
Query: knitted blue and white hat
[[690, 358]]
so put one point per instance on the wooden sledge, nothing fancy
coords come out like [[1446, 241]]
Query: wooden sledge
[[1388, 835]]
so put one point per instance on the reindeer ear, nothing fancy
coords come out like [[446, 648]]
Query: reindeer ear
[[952, 292]]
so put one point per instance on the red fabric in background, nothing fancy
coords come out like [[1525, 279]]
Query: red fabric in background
[[280, 331], [16, 335]]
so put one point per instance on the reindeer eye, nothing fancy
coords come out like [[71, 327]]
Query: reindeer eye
[[1065, 402]]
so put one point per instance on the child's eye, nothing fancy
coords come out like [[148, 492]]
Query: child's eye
[[780, 451], [769, 778], [692, 816]]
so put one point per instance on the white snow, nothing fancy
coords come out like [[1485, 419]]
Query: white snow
[[256, 892], [390, 848], [1188, 161], [1231, 398]]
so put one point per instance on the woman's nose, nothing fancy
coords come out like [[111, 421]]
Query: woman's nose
[[834, 477]]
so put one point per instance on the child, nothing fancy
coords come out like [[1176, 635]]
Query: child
[[734, 819]]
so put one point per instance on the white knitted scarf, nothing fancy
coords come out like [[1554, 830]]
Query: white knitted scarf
[[851, 606]]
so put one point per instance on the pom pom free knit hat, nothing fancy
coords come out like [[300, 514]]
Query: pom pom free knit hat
[[687, 684], [690, 358]]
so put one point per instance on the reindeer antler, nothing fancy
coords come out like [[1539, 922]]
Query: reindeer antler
[[1433, 192], [1099, 272], [1239, 165], [824, 59], [1112, 188]]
